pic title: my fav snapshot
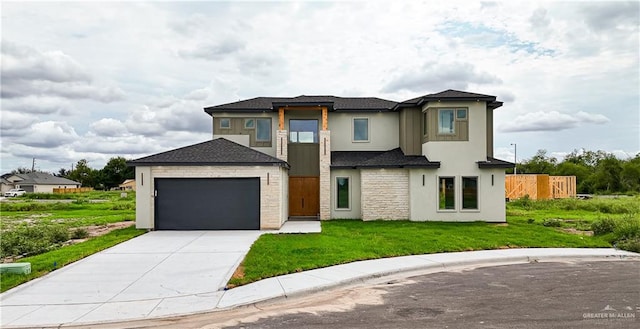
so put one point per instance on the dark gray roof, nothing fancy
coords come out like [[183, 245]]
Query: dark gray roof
[[495, 163], [452, 95], [333, 103], [379, 159], [40, 178], [217, 152]]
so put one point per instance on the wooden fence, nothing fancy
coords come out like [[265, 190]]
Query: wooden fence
[[540, 186], [72, 190]]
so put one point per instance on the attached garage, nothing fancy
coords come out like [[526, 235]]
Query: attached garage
[[214, 185], [207, 204]]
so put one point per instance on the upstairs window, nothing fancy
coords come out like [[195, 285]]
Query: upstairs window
[[225, 123], [446, 123], [447, 120], [263, 130], [360, 129], [303, 131]]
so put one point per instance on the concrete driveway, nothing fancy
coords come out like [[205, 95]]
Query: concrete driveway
[[156, 274]]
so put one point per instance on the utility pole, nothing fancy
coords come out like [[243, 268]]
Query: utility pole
[[515, 158], [33, 165]]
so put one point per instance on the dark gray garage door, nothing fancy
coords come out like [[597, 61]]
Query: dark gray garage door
[[207, 204]]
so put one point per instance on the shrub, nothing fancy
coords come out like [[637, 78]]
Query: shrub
[[629, 245], [531, 220], [80, 233], [552, 222], [627, 228], [603, 226], [32, 239]]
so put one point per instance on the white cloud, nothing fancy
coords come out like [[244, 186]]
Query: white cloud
[[47, 134], [551, 121], [108, 127]]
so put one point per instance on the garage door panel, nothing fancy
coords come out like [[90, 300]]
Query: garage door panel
[[207, 204]]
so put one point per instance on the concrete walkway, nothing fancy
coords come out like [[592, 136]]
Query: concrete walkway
[[23, 310]]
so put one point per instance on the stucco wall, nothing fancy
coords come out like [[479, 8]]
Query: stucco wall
[[385, 193], [273, 188], [355, 209], [424, 198], [383, 131]]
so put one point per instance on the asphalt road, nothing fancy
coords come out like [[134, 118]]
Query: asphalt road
[[599, 294]]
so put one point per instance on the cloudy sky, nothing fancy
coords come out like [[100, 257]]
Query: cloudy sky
[[96, 80]]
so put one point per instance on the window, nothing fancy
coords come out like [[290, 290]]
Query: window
[[303, 131], [445, 122], [249, 123], [461, 114], [360, 130], [447, 193], [424, 123], [225, 123], [469, 192], [342, 195], [263, 130]]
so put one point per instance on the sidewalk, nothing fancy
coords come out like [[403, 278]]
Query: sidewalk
[[301, 283]]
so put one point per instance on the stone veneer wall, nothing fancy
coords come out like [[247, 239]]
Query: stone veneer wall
[[271, 216], [325, 174], [385, 193], [282, 140]]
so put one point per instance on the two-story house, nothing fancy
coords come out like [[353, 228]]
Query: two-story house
[[274, 158]]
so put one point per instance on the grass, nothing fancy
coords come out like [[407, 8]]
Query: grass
[[44, 263], [531, 224], [343, 241]]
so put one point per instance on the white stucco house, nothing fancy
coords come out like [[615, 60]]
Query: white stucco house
[[325, 157]]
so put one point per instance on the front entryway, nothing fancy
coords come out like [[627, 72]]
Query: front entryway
[[304, 196]]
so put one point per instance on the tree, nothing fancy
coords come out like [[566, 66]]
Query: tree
[[63, 173], [630, 175], [538, 164], [84, 175], [20, 170], [115, 172]]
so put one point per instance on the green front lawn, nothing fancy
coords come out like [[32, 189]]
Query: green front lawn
[[344, 241]]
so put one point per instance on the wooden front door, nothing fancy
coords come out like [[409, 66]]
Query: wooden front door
[[304, 196]]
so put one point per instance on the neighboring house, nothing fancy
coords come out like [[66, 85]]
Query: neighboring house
[[128, 185], [39, 182], [272, 158], [5, 185]]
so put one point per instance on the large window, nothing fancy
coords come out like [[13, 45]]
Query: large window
[[263, 130], [360, 130], [446, 123], [469, 192], [446, 193], [303, 131], [447, 120], [342, 194]]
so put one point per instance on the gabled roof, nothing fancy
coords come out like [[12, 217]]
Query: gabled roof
[[495, 163], [452, 95], [217, 152], [379, 159], [333, 103], [40, 178]]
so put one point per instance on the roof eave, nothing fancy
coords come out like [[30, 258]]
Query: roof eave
[[178, 163]]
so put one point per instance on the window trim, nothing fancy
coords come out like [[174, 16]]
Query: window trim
[[335, 205], [353, 130], [222, 120], [425, 123], [455, 195], [269, 130], [462, 208], [246, 120]]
